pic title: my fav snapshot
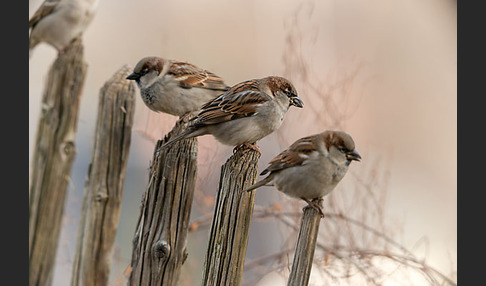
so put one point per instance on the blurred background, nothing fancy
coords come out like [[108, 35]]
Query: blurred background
[[383, 71]]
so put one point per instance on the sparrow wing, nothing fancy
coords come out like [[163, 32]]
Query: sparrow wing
[[295, 155], [240, 101], [189, 75], [46, 8]]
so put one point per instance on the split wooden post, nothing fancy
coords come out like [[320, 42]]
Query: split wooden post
[[230, 226], [53, 158], [306, 245], [105, 180], [159, 244]]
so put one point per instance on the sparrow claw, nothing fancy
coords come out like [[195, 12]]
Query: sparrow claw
[[249, 146], [315, 205]]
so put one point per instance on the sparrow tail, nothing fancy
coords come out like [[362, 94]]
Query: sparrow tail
[[186, 134], [259, 184], [174, 140]]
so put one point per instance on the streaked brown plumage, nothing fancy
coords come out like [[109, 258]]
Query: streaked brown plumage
[[246, 113]]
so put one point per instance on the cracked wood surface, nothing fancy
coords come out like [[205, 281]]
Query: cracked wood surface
[[305, 248], [105, 180], [54, 153], [159, 243], [230, 226]]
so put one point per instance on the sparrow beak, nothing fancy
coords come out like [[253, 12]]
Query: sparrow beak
[[353, 155], [296, 101], [133, 76]]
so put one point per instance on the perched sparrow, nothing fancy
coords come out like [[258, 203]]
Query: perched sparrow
[[244, 114], [58, 22], [311, 167], [175, 87]]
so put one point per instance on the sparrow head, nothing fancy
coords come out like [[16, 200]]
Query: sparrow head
[[340, 146], [281, 87], [147, 71]]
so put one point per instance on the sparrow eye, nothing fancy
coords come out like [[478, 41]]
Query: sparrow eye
[[288, 92], [343, 149], [144, 71]]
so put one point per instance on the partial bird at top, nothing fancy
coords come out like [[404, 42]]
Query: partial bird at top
[[59, 22]]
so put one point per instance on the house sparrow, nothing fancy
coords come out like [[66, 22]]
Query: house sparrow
[[246, 113], [58, 22], [175, 87], [311, 167]]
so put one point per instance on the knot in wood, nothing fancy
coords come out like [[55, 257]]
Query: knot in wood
[[161, 249], [101, 196], [68, 148], [184, 255], [46, 108]]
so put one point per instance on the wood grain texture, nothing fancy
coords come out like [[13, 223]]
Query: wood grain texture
[[305, 248], [230, 226], [105, 180], [54, 153], [159, 243]]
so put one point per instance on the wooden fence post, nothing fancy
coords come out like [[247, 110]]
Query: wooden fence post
[[306, 245], [231, 220], [105, 180], [52, 160], [159, 244]]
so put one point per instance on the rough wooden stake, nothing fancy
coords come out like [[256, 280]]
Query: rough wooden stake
[[159, 244], [230, 227], [306, 245], [52, 160], [104, 184]]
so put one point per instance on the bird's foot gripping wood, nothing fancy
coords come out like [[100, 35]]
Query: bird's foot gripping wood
[[251, 146], [315, 204]]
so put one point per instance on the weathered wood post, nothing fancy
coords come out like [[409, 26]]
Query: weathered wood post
[[159, 244], [105, 180], [306, 245], [230, 227], [52, 160]]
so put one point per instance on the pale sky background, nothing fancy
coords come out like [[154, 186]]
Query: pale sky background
[[400, 110]]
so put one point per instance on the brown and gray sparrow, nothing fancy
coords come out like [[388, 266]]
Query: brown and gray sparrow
[[175, 87], [246, 113], [58, 22], [311, 167]]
